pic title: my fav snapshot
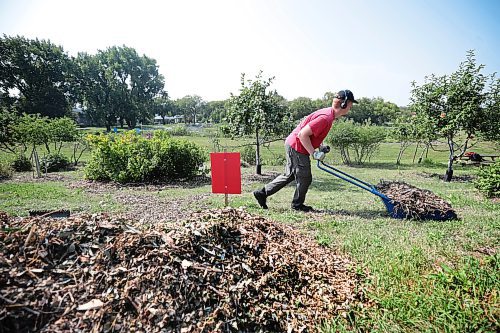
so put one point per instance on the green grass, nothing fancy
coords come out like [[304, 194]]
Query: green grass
[[19, 198], [422, 276], [419, 276]]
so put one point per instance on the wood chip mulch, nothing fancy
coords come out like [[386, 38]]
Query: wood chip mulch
[[222, 271], [416, 203]]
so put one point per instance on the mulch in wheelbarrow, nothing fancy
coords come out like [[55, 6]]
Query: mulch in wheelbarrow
[[415, 203], [221, 270]]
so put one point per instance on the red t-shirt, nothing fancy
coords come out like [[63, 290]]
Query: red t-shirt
[[320, 122]]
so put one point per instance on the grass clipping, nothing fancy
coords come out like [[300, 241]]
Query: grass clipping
[[415, 203], [224, 270]]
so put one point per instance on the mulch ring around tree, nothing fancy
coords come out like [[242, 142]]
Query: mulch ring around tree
[[221, 270], [416, 203], [455, 178]]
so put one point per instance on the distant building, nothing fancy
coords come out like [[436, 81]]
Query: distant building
[[80, 116], [158, 120]]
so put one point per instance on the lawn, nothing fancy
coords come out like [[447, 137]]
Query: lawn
[[417, 275]]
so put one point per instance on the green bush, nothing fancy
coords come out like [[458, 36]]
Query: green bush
[[22, 163], [356, 141], [54, 162], [488, 180], [179, 130], [276, 160], [6, 171], [132, 158], [248, 155]]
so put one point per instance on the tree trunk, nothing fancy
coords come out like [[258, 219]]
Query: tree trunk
[[258, 169], [402, 148], [415, 153], [449, 172]]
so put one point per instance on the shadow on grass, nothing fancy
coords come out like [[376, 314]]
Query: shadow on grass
[[393, 166], [362, 213], [334, 184], [198, 181]]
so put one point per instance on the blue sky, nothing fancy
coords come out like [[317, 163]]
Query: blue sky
[[375, 48]]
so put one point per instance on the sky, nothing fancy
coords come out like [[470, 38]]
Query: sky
[[375, 48]]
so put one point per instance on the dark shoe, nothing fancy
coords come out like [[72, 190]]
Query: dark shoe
[[303, 208], [261, 197]]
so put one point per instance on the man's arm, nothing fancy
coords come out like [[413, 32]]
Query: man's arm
[[305, 138]]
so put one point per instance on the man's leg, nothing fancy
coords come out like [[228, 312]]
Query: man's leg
[[303, 177], [278, 183]]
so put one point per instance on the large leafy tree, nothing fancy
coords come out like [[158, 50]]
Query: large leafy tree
[[375, 110], [257, 111], [301, 107], [95, 88], [8, 120], [459, 107], [117, 83], [35, 75]]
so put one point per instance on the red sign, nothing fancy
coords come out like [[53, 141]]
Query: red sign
[[226, 173]]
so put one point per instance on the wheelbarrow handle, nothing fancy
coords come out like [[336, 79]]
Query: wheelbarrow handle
[[348, 178]]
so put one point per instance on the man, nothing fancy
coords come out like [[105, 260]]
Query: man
[[300, 144]]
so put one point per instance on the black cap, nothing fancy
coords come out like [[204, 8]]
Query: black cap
[[350, 97]]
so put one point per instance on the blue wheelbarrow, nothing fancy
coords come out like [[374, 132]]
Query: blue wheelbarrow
[[392, 206]]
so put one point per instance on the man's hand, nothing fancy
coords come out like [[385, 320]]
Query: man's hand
[[319, 155]]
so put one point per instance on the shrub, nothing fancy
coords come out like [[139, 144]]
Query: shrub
[[22, 163], [132, 158], [276, 160], [54, 162], [6, 171], [361, 141], [488, 180], [248, 154], [180, 130]]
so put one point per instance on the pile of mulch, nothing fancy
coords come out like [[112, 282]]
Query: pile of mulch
[[415, 203], [222, 270]]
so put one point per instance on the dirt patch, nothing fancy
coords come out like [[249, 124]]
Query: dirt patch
[[264, 178], [143, 204], [457, 178], [27, 177], [149, 209], [223, 270]]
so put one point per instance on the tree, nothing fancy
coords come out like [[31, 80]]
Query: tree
[[458, 104], [301, 107], [216, 111], [118, 83], [38, 73], [406, 131], [96, 90], [163, 106], [8, 120], [190, 107], [375, 110], [62, 130], [256, 111]]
